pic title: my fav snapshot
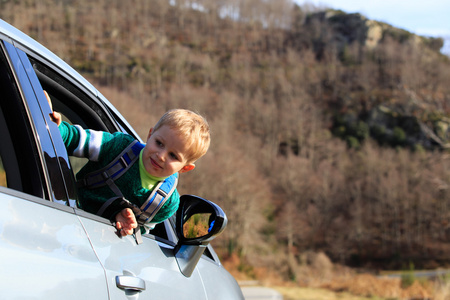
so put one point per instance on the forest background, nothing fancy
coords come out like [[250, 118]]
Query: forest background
[[330, 131]]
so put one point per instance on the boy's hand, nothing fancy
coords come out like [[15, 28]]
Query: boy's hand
[[126, 222], [55, 116]]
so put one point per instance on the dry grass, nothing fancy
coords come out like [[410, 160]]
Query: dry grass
[[442, 290], [299, 293], [338, 282], [367, 285]]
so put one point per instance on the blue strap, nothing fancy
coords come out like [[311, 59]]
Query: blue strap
[[114, 169], [160, 194]]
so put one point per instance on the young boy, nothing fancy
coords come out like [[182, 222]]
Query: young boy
[[178, 139]]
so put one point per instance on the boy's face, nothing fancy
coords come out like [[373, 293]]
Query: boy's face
[[165, 153]]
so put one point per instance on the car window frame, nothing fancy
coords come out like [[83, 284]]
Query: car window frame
[[38, 135], [108, 115], [10, 53]]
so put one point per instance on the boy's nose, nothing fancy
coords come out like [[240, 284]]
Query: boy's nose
[[161, 156]]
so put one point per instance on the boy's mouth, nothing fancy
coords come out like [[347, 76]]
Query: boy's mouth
[[155, 164]]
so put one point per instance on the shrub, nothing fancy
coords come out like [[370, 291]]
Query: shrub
[[398, 137], [352, 142]]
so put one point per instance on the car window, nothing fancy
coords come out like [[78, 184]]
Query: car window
[[18, 152], [77, 107]]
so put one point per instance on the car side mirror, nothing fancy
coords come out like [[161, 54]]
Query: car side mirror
[[198, 222]]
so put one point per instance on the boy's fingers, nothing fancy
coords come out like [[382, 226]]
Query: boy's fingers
[[55, 117], [127, 232], [49, 100], [127, 222], [119, 225], [130, 218]]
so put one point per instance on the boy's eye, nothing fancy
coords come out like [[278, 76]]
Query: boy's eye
[[158, 143], [173, 156]]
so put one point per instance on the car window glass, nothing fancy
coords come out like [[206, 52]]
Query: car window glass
[[20, 168]]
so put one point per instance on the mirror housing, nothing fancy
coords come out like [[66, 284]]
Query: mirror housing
[[198, 222]]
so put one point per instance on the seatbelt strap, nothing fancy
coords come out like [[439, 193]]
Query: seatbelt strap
[[160, 194], [138, 235], [116, 168]]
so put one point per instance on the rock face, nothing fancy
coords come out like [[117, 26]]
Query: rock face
[[374, 33], [349, 28], [337, 30]]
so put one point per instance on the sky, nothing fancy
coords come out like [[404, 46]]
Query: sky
[[425, 17]]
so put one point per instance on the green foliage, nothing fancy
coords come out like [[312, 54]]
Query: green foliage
[[352, 142], [232, 246], [378, 132], [398, 137], [191, 232], [352, 130], [408, 277], [247, 269], [398, 34], [418, 148], [433, 43], [347, 58], [361, 130], [444, 278]]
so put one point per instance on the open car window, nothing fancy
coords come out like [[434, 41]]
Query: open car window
[[78, 107]]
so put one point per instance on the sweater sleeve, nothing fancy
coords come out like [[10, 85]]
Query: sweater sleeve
[[81, 142]]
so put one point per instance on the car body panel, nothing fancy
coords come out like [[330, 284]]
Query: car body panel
[[150, 261], [217, 281], [45, 253]]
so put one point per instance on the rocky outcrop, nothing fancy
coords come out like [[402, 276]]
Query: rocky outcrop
[[388, 126], [349, 28]]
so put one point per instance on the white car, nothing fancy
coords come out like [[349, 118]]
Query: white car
[[49, 248]]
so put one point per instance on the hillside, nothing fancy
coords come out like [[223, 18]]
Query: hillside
[[330, 131]]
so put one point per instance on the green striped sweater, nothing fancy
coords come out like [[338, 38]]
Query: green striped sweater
[[101, 148]]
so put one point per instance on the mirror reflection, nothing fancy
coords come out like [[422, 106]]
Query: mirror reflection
[[198, 225]]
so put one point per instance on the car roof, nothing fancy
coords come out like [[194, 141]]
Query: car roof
[[35, 49]]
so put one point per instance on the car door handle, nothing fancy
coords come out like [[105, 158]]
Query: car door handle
[[130, 283]]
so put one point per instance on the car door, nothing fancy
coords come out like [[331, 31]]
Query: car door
[[148, 270], [44, 250]]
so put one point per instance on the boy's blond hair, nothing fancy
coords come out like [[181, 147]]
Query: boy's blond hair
[[192, 127]]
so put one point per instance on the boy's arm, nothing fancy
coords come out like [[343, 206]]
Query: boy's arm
[[82, 142], [78, 141], [69, 134]]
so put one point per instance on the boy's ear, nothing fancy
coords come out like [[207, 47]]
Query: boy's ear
[[150, 133], [187, 168]]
